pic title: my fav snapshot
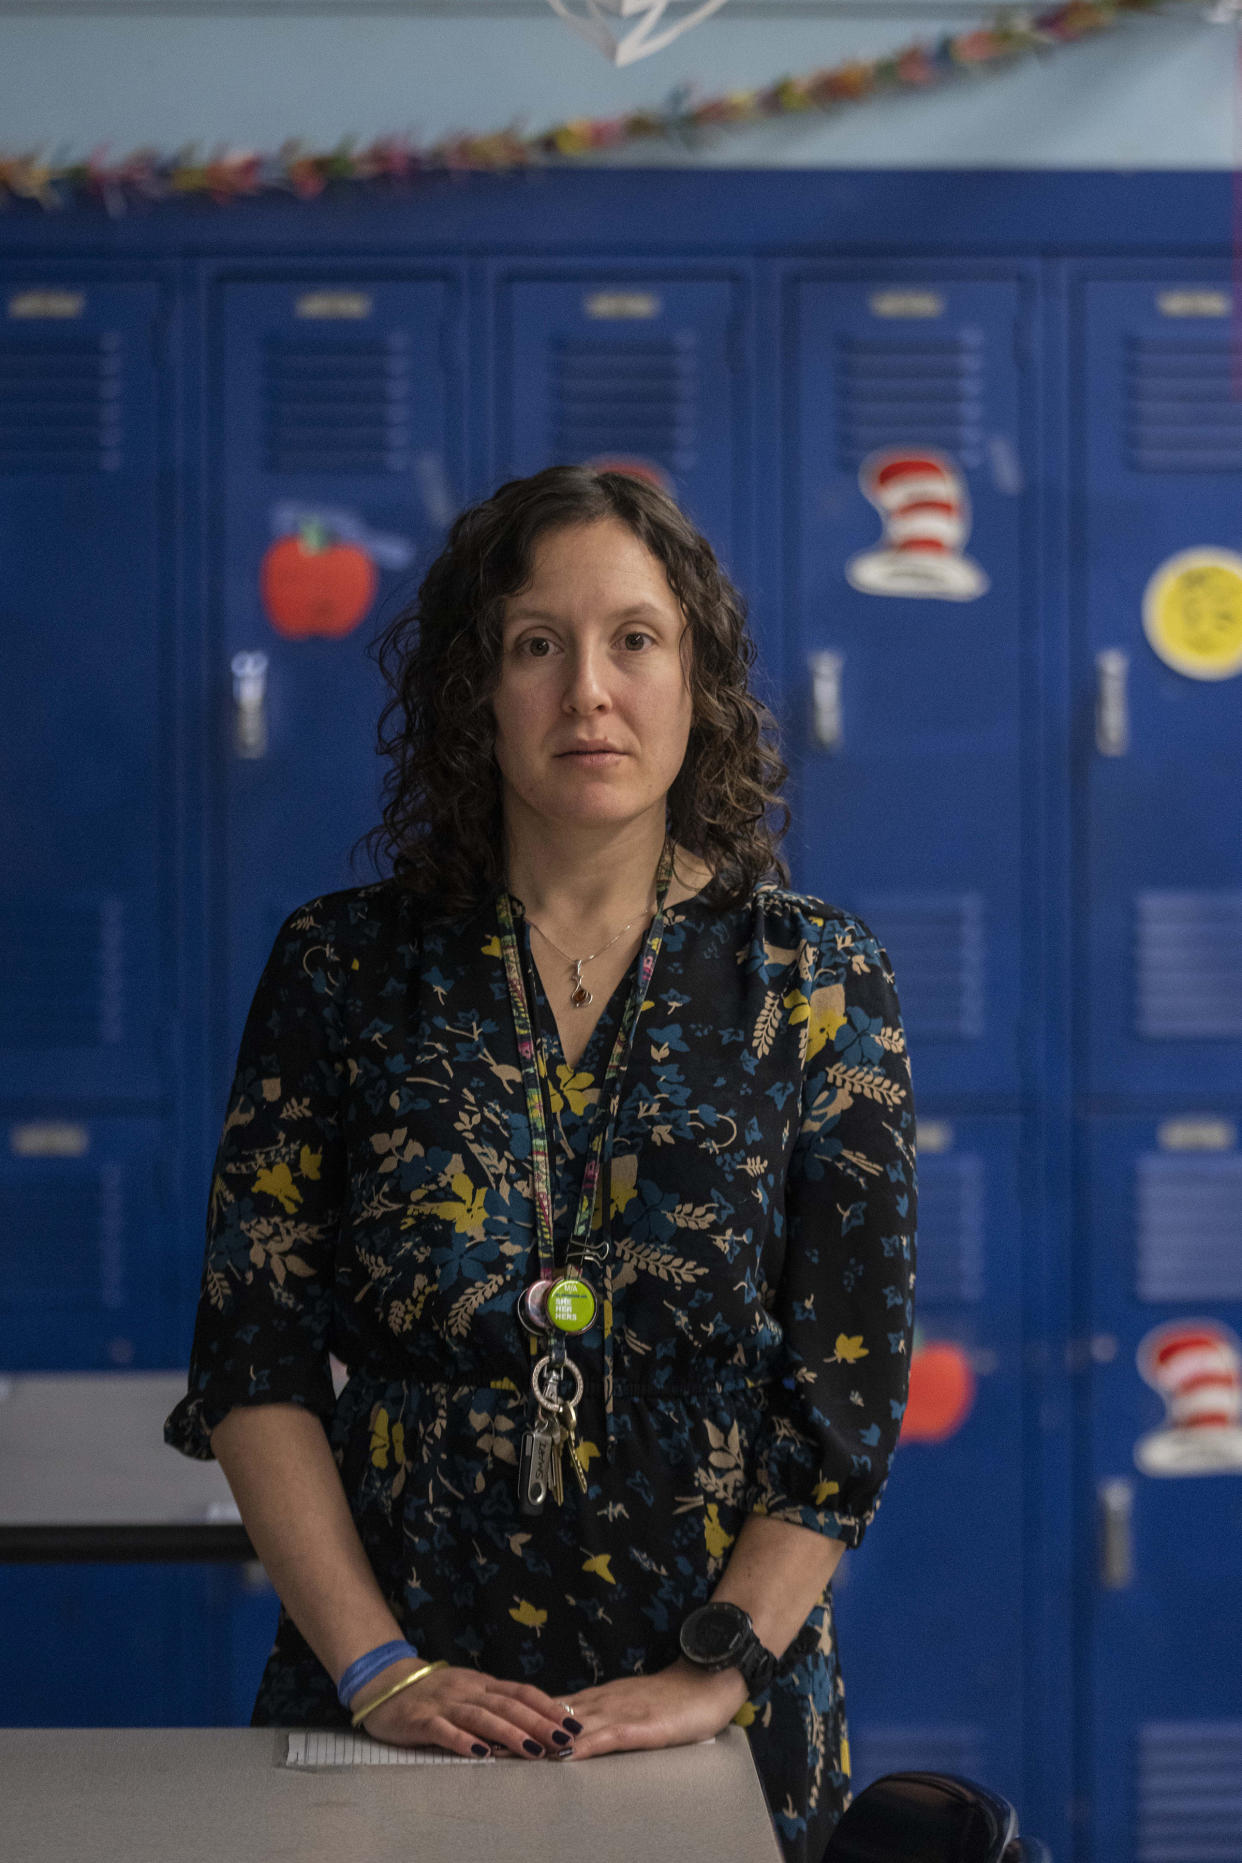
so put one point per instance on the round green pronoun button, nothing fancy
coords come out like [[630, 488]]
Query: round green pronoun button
[[571, 1304]]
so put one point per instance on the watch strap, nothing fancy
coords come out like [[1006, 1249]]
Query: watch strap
[[806, 1640], [759, 1666]]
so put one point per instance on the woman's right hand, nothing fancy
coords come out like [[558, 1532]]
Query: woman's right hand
[[463, 1710]]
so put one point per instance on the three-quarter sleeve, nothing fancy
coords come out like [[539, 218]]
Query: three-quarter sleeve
[[277, 1193], [845, 1299]]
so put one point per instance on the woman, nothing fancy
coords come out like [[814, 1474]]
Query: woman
[[411, 1160]]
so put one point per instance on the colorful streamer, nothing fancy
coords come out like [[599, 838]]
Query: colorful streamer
[[394, 162]]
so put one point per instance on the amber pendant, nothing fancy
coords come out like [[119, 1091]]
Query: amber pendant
[[580, 995]]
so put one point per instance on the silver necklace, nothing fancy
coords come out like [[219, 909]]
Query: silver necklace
[[580, 996]]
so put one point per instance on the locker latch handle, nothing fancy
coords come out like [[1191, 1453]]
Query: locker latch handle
[[1112, 707], [1116, 1537], [826, 698], [249, 704]]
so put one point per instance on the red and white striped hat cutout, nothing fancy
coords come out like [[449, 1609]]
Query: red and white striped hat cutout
[[922, 497], [1196, 1365]]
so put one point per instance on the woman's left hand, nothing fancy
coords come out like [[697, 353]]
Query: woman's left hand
[[672, 1708]]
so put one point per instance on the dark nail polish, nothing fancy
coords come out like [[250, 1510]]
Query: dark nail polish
[[532, 1746], [562, 1740], [480, 1749], [575, 1727]]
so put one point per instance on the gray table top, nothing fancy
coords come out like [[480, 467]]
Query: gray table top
[[224, 1795]]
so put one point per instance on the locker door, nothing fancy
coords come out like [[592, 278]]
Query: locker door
[[929, 1606], [87, 1280], [86, 831], [89, 1646], [1161, 1424], [337, 469], [641, 367], [1158, 541], [910, 602]]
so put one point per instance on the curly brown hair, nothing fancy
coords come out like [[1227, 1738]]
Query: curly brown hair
[[441, 656]]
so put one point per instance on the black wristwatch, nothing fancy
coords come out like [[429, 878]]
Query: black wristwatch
[[721, 1636]]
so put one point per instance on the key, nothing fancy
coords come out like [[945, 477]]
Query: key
[[553, 1461], [538, 1471], [569, 1424], [527, 1475], [556, 1491]]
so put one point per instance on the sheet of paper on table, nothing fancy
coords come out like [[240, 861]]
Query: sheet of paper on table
[[318, 1749], [327, 1747]]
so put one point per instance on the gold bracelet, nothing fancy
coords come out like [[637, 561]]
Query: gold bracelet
[[396, 1690]]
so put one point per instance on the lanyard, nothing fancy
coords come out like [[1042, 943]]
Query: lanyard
[[534, 1080]]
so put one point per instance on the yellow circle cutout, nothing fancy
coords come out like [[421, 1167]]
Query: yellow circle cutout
[[1192, 613]]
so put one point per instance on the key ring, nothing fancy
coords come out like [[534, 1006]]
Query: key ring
[[546, 1403]]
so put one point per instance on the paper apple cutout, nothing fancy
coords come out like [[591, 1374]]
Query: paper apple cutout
[[635, 468], [942, 1393], [310, 584]]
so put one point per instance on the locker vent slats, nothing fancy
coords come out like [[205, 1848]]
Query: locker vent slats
[[935, 943], [62, 984], [877, 1750], [62, 1240], [337, 404], [60, 403], [1189, 1806], [1189, 1227], [921, 391], [1188, 965], [950, 1248], [1183, 404], [638, 397]]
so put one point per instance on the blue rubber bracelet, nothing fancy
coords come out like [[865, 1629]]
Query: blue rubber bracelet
[[360, 1672]]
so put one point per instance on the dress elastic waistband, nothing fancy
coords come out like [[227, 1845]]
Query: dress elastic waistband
[[591, 1387]]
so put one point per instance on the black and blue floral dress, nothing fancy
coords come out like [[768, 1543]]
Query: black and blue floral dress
[[371, 1199]]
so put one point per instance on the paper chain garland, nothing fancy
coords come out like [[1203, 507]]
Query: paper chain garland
[[147, 176]]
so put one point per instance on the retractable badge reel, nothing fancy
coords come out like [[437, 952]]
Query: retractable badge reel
[[564, 1301]]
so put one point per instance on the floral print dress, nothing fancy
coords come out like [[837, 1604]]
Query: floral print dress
[[371, 1199]]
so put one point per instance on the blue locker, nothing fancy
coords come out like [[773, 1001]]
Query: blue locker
[[93, 1645], [1157, 542], [133, 1645], [905, 421], [338, 430], [88, 989], [86, 836], [224, 1635], [337, 444], [87, 1277], [931, 1633], [146, 1644], [639, 366], [1156, 435], [906, 552], [1160, 1431]]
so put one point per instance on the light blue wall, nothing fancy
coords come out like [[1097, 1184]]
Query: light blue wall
[[1154, 92]]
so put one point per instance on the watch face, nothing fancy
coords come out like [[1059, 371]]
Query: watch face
[[715, 1634]]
